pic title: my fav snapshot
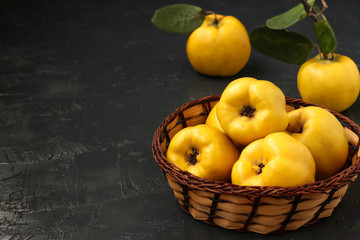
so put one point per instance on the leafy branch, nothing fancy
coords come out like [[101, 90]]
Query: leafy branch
[[275, 40]]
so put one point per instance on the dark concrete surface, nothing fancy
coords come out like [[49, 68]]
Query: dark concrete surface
[[83, 87]]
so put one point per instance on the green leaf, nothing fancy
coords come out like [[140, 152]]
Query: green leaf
[[325, 36], [288, 18], [178, 18], [283, 45]]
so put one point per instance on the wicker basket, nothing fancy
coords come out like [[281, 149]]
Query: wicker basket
[[264, 210]]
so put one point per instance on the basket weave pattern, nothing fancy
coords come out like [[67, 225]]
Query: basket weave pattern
[[264, 210]]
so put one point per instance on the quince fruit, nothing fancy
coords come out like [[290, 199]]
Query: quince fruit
[[250, 109], [276, 160], [204, 151], [212, 119], [219, 47], [324, 136], [332, 83]]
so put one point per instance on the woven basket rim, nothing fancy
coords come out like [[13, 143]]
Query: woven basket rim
[[194, 182]]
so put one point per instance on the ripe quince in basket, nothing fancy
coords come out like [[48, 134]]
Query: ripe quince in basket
[[204, 151], [276, 160], [324, 135], [219, 47], [332, 82], [212, 119], [250, 109]]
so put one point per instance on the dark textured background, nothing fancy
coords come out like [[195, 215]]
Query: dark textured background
[[84, 85]]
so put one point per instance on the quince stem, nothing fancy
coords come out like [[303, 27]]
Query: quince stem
[[216, 21], [329, 56], [323, 56]]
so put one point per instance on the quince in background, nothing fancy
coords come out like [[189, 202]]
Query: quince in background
[[333, 83], [324, 136], [219, 47], [329, 79], [250, 109], [276, 160], [204, 151]]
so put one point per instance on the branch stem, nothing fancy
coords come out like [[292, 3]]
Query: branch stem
[[317, 16], [307, 8]]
